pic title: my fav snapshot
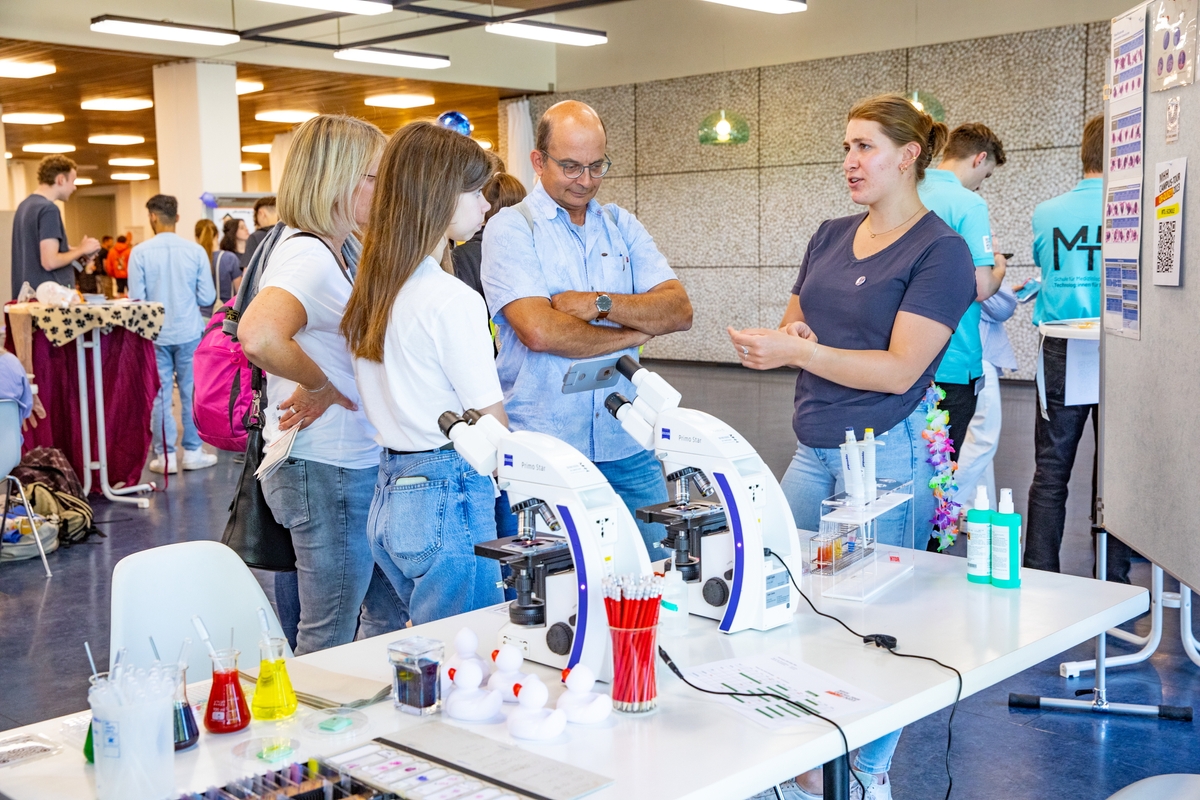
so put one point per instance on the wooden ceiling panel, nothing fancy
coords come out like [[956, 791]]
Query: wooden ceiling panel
[[86, 73]]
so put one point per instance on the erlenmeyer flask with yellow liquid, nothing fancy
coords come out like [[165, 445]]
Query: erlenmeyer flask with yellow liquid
[[274, 697]]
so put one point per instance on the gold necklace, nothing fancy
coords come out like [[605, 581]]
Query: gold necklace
[[901, 225]]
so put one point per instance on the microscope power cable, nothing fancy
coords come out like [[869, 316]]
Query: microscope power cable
[[889, 644], [799, 706]]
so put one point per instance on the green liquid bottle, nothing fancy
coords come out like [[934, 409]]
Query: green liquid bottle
[[1006, 544], [979, 539]]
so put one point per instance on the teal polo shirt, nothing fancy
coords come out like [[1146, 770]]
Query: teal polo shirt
[[967, 213], [1066, 245]]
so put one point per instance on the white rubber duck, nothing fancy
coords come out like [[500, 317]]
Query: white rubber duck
[[466, 645], [468, 702], [508, 672], [581, 704], [531, 719]]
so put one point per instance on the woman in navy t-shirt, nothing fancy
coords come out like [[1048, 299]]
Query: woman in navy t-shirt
[[867, 323]]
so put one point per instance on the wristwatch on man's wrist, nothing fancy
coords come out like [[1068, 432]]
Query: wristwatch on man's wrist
[[603, 305]]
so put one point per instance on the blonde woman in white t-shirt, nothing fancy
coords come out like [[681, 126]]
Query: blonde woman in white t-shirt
[[292, 331], [421, 347]]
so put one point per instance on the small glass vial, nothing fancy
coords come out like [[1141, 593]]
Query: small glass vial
[[416, 662]]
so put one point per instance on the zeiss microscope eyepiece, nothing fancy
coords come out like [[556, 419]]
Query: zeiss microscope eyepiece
[[616, 400], [448, 420]]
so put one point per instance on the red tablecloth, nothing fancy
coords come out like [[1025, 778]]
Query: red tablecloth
[[130, 385]]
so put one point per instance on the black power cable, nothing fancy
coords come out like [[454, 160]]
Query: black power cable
[[890, 644], [800, 706]]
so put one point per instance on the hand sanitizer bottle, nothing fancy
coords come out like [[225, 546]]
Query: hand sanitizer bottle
[[979, 539], [1006, 544]]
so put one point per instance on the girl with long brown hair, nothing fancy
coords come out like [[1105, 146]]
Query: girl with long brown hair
[[421, 346]]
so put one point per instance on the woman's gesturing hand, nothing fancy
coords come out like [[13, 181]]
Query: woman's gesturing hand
[[304, 408], [801, 329], [763, 348]]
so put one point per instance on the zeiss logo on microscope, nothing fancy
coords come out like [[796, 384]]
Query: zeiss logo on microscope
[[508, 460], [666, 433]]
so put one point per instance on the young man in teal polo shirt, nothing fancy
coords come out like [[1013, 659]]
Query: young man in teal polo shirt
[[1066, 245], [971, 155]]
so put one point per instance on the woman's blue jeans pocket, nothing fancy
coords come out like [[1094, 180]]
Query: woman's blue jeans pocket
[[286, 493], [416, 519]]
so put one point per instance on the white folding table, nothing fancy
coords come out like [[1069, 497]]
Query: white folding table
[[692, 747]]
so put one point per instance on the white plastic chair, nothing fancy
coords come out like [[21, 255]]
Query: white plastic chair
[[1161, 787], [156, 592], [10, 455]]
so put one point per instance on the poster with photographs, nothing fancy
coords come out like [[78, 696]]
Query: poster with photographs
[[1127, 67], [1122, 249], [1172, 43]]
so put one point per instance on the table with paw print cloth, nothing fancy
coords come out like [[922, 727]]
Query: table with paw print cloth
[[102, 407]]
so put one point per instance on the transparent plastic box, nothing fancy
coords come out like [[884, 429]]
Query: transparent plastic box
[[862, 550]]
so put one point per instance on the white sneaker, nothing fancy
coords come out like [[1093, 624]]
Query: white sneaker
[[198, 459], [156, 464], [790, 791], [875, 791]]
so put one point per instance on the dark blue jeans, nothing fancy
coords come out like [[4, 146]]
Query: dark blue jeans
[[1056, 441]]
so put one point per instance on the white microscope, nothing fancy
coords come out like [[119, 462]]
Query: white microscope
[[719, 545], [574, 531]]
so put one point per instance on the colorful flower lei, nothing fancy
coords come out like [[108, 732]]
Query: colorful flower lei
[[937, 436]]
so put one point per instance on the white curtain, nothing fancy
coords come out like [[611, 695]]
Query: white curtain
[[520, 143]]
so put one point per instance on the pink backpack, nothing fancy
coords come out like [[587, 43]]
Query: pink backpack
[[221, 396]]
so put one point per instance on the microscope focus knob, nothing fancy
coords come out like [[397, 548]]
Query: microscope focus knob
[[716, 592], [559, 638]]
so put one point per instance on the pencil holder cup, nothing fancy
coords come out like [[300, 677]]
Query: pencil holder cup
[[634, 688]]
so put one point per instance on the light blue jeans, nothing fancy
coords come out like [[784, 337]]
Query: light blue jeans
[[637, 480], [428, 513], [174, 367], [325, 508], [816, 473]]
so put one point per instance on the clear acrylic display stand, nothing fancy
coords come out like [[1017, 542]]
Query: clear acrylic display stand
[[845, 557]]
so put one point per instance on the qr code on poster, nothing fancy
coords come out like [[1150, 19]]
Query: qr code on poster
[[1166, 246]]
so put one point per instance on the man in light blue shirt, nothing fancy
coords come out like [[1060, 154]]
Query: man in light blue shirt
[[567, 279], [1066, 245], [175, 272], [971, 155]]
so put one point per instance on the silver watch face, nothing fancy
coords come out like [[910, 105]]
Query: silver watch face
[[603, 303]]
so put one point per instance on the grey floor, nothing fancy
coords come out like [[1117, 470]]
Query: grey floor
[[998, 753]]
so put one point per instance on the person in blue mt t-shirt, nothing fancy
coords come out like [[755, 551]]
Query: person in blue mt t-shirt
[[1066, 245], [867, 323]]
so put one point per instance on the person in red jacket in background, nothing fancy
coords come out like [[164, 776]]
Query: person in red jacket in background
[[117, 262]]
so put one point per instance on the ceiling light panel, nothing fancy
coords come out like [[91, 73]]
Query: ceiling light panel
[[130, 176], [256, 148], [10, 68], [545, 32], [248, 87], [49, 148], [83, 181], [286, 117], [368, 7], [116, 104], [166, 31], [119, 139], [769, 6], [24, 118], [399, 100], [130, 162], [248, 166], [393, 58]]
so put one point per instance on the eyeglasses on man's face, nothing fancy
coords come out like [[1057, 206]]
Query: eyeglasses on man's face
[[573, 169]]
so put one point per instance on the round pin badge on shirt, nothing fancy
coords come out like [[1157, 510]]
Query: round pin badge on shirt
[[861, 280]]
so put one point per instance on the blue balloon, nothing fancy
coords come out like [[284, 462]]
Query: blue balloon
[[455, 121], [208, 199]]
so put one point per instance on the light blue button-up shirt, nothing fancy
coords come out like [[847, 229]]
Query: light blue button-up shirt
[[615, 256], [170, 270]]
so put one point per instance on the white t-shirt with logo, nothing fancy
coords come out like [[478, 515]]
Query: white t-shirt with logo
[[437, 357], [305, 268]]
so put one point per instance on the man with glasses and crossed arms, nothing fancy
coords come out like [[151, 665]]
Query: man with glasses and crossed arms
[[566, 279]]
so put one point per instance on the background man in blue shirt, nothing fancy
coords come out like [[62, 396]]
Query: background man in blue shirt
[[566, 279], [173, 271], [972, 153], [1066, 245]]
